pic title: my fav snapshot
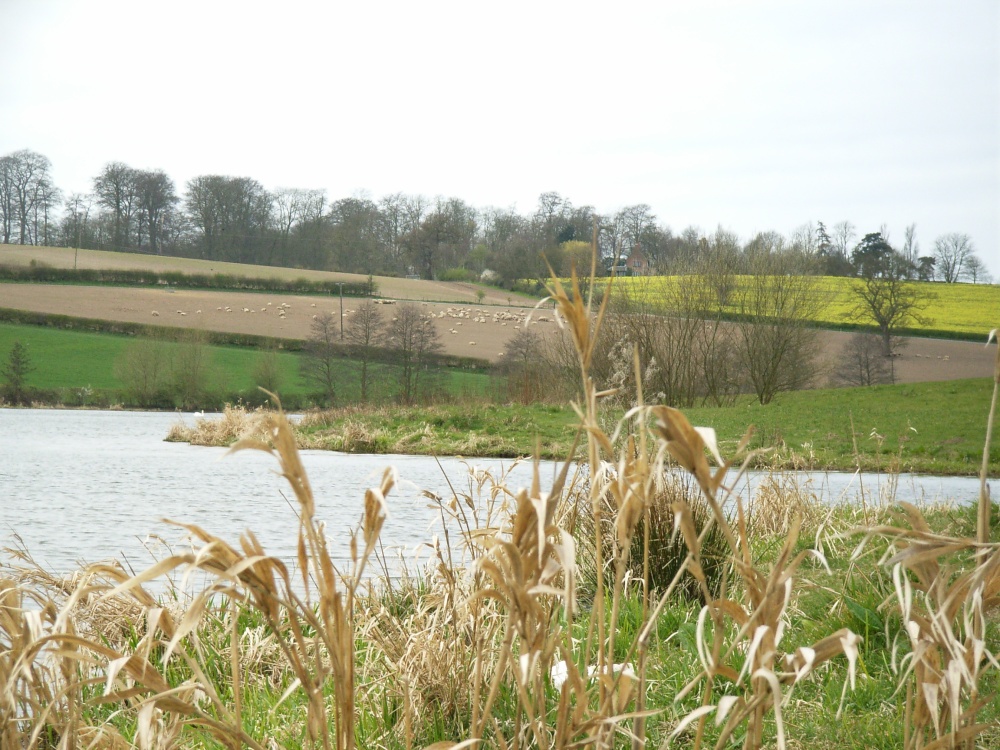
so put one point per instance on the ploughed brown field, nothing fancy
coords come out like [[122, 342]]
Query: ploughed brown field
[[469, 330]]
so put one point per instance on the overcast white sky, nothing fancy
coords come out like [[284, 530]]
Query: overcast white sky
[[754, 115]]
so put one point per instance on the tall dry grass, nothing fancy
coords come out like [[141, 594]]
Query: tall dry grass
[[946, 590], [490, 643]]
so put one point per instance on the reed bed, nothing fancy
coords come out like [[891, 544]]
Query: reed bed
[[549, 619], [236, 421]]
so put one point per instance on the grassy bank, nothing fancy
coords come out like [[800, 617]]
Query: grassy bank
[[622, 606]]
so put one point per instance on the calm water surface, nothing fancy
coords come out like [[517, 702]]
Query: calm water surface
[[83, 486]]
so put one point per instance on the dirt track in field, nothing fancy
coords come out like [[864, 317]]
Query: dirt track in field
[[468, 330]]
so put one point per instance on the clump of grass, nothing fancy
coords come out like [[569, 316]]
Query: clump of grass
[[236, 422], [779, 499]]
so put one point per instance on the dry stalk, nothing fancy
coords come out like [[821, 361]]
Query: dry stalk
[[944, 607], [767, 677], [983, 518]]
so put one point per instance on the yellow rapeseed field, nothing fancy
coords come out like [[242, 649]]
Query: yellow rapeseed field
[[965, 309]]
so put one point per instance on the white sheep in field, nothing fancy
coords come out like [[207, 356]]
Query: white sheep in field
[[155, 314], [472, 343]]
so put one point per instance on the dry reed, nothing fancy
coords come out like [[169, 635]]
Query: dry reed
[[488, 641]]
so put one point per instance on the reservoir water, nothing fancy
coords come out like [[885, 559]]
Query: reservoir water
[[78, 487]]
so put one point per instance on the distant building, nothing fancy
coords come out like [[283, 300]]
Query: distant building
[[637, 263]]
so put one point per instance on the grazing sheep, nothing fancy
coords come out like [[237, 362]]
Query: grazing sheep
[[155, 314]]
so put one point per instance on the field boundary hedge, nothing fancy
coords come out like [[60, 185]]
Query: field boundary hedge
[[41, 273]]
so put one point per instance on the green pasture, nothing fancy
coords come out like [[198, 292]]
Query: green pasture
[[66, 361], [935, 428], [964, 310]]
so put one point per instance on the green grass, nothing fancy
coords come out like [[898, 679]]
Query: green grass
[[66, 361], [936, 428]]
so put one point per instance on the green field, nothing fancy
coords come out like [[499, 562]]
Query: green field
[[935, 428], [959, 310], [68, 364], [925, 427]]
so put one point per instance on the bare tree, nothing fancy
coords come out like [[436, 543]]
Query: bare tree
[[143, 369], [319, 365], [685, 350], [844, 233], [26, 192], [414, 340], [365, 332], [116, 189], [862, 362], [951, 253], [267, 373], [804, 239], [191, 369], [231, 218], [911, 248], [524, 368], [155, 198], [718, 266], [976, 271], [776, 344]]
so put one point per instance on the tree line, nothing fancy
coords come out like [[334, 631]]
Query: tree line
[[237, 219]]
